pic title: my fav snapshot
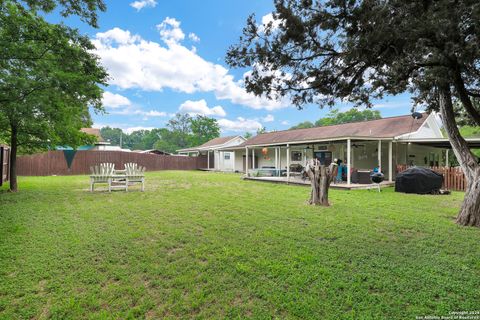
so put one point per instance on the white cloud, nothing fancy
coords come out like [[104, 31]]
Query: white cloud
[[114, 100], [118, 36], [285, 123], [239, 125], [269, 118], [267, 19], [170, 31], [200, 107], [133, 62], [192, 36], [140, 4], [131, 129], [132, 111], [121, 105], [154, 113], [390, 105]]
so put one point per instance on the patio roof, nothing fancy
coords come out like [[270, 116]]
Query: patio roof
[[380, 129], [441, 142]]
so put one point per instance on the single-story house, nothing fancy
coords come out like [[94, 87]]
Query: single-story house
[[216, 160], [361, 146], [154, 151], [99, 145]]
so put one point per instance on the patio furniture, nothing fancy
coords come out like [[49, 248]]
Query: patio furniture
[[364, 176], [134, 173], [117, 179], [102, 174], [296, 169]]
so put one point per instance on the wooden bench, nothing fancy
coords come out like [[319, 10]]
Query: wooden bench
[[117, 179], [102, 174], [134, 173]]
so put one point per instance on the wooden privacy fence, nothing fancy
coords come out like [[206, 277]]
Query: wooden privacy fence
[[55, 162], [4, 164], [453, 177]]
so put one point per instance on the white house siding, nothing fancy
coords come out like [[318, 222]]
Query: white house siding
[[224, 164]]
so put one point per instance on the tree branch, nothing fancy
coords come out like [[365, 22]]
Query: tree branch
[[464, 97]]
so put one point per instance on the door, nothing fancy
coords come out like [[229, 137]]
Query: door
[[211, 164], [227, 161], [325, 157]]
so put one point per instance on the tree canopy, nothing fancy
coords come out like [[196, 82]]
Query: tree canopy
[[335, 116], [354, 51], [47, 86], [87, 10], [182, 131], [323, 52], [303, 125]]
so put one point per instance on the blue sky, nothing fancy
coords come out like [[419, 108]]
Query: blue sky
[[166, 57]]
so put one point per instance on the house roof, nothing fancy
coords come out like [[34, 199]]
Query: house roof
[[382, 128], [216, 142], [94, 132], [155, 151]]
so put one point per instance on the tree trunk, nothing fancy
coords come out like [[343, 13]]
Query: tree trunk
[[469, 214], [320, 178], [13, 160]]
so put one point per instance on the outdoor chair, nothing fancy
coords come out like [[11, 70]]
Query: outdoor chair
[[134, 173], [102, 174]]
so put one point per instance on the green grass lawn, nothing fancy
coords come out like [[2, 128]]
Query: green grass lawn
[[206, 245]]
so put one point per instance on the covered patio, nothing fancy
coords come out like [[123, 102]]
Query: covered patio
[[296, 180], [356, 157]]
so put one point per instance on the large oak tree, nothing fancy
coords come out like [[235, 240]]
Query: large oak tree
[[48, 80], [352, 50]]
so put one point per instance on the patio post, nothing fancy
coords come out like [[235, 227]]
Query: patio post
[[446, 159], [380, 155], [349, 151], [233, 166], [288, 163], [221, 160], [208, 159], [253, 158], [246, 161], [390, 161], [276, 158]]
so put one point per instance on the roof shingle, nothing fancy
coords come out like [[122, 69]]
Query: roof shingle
[[381, 128], [93, 132]]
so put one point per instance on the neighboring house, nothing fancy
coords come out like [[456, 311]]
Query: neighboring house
[[216, 160], [154, 151], [99, 145], [382, 143]]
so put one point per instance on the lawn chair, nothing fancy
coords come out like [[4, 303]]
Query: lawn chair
[[102, 174], [134, 173]]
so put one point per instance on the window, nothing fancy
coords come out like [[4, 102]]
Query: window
[[226, 156], [296, 156]]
